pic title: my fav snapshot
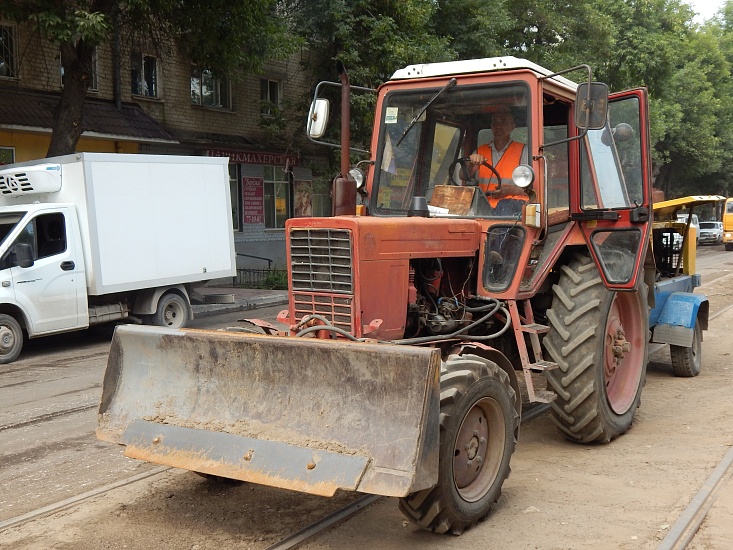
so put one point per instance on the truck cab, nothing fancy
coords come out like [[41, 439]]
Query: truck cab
[[42, 268]]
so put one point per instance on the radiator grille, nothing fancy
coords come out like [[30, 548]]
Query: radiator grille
[[339, 310], [321, 260]]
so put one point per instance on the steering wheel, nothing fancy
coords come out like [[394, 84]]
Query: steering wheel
[[465, 162]]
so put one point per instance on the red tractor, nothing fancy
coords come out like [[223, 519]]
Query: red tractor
[[423, 311]]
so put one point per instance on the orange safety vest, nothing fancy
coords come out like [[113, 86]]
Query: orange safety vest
[[511, 158]]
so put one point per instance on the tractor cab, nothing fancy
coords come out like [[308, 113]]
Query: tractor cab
[[530, 127]]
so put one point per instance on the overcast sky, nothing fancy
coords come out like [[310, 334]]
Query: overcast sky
[[706, 8]]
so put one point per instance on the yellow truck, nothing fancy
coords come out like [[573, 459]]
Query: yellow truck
[[728, 224]]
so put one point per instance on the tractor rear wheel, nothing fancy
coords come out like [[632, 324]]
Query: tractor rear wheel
[[479, 425], [599, 339], [687, 361]]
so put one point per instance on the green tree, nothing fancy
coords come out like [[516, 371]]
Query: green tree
[[372, 39], [558, 34], [222, 35]]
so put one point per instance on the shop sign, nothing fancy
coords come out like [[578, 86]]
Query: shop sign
[[256, 157]]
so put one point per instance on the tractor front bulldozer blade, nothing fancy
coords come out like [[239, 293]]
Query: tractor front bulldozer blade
[[297, 413]]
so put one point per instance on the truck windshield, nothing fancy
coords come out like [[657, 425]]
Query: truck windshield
[[7, 223], [456, 124]]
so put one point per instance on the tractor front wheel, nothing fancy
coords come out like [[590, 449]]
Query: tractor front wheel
[[599, 339], [479, 425]]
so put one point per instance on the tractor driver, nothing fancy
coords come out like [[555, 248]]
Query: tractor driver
[[504, 154]]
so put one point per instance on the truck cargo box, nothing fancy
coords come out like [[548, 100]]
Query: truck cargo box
[[145, 220]]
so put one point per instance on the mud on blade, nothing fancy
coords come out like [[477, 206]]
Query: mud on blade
[[303, 414]]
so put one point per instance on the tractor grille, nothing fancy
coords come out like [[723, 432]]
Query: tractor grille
[[321, 260], [322, 275], [337, 309]]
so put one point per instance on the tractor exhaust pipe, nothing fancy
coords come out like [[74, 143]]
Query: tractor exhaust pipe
[[344, 188]]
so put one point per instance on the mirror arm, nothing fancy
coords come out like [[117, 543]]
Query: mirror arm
[[316, 95], [581, 135]]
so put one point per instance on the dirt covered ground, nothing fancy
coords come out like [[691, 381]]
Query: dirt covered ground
[[625, 495]]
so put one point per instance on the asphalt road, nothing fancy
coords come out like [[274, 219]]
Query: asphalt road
[[48, 402]]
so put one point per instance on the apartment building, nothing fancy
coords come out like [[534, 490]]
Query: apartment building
[[166, 105]]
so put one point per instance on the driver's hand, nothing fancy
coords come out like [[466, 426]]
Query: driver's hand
[[477, 159]]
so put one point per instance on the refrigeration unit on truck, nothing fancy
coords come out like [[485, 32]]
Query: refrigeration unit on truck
[[92, 238]]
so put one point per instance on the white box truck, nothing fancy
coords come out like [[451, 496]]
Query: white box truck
[[92, 238]]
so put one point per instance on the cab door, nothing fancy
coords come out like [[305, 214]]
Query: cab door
[[613, 207], [48, 289]]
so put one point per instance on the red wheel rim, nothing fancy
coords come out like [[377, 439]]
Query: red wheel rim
[[623, 351]]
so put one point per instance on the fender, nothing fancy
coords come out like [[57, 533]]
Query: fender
[[493, 354], [677, 318], [146, 301]]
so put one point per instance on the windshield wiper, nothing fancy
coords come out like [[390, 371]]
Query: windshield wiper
[[451, 82]]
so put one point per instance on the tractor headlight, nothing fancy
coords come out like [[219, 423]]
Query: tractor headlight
[[523, 175]]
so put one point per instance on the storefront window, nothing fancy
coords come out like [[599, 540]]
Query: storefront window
[[277, 197], [234, 190]]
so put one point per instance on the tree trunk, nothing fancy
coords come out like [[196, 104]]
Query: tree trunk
[[663, 180], [68, 115]]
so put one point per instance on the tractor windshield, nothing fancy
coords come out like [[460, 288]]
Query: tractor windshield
[[611, 163], [423, 151]]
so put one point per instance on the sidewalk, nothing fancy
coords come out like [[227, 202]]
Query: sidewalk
[[229, 299]]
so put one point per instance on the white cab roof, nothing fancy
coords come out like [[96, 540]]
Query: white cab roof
[[468, 66]]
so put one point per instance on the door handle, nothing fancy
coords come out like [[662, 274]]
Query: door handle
[[68, 265]]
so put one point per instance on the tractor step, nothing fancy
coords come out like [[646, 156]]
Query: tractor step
[[534, 328], [541, 366], [545, 396]]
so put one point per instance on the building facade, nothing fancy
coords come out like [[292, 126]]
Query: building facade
[[166, 105]]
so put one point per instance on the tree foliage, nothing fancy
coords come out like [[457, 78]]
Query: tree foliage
[[629, 43], [225, 36]]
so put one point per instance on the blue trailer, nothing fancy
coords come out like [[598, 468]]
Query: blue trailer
[[679, 315]]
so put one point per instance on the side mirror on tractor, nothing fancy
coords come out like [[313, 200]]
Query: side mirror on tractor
[[591, 106], [318, 118]]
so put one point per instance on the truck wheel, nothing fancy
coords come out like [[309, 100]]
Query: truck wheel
[[687, 361], [479, 426], [599, 339], [729, 246], [172, 311], [11, 339]]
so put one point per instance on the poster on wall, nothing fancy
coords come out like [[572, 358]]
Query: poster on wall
[[302, 194], [253, 206]]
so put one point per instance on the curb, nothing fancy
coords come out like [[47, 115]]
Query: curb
[[206, 310]]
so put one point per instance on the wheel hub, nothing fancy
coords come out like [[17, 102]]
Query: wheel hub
[[617, 346], [470, 449], [7, 339]]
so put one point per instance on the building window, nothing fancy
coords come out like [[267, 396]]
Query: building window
[[208, 90], [93, 79], [270, 96], [144, 75], [7, 155], [277, 197], [7, 52]]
